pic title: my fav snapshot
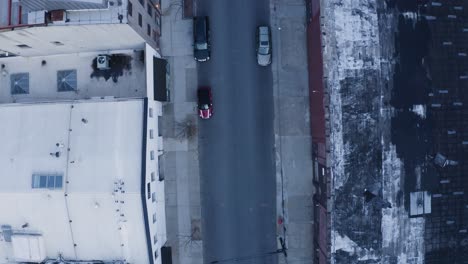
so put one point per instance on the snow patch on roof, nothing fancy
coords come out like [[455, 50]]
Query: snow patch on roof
[[420, 110], [410, 15], [343, 243], [355, 24], [401, 236]]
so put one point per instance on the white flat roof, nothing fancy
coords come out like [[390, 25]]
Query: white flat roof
[[130, 77], [100, 158]]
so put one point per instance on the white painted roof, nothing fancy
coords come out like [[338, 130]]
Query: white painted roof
[[43, 78], [100, 145]]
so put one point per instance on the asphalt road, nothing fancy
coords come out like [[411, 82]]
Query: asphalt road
[[236, 144]]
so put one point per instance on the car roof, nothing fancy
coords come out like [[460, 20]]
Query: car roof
[[200, 26], [264, 38], [204, 95], [263, 29]]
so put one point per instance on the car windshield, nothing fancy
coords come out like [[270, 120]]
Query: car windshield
[[263, 50], [204, 107], [201, 46]]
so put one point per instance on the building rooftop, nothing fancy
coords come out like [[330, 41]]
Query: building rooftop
[[62, 12], [72, 77], [398, 191], [71, 174], [35, 5]]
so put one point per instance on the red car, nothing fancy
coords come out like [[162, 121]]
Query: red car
[[205, 102]]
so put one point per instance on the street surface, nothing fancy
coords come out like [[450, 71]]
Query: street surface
[[236, 145]]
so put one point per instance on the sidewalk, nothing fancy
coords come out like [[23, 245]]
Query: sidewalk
[[180, 159], [293, 141]]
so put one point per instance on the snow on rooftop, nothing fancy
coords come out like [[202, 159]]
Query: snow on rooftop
[[357, 63], [99, 146], [126, 80], [401, 236], [357, 33], [420, 110]]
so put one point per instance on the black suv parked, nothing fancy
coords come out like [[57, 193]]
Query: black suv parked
[[201, 38]]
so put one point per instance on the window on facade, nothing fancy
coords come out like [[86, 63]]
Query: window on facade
[[156, 254], [155, 239], [157, 20], [142, 2], [160, 125], [154, 218], [152, 154], [140, 20], [161, 173], [47, 181], [150, 9], [151, 133], [153, 176], [153, 197], [130, 8], [150, 112], [148, 190], [148, 30]]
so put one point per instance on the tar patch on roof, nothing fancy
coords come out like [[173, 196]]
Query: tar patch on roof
[[118, 64]]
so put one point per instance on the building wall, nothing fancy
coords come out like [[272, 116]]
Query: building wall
[[34, 5], [73, 39], [155, 182], [317, 120], [153, 21]]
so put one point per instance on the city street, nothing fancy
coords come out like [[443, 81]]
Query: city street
[[238, 188]]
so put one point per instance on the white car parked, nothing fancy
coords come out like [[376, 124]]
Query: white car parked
[[263, 46]]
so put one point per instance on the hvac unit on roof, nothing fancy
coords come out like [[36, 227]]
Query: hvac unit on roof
[[102, 62], [58, 16]]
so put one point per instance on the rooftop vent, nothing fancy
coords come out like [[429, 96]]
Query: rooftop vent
[[103, 62], [66, 81], [19, 83], [28, 248], [7, 232]]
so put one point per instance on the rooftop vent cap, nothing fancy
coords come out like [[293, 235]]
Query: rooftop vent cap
[[102, 62]]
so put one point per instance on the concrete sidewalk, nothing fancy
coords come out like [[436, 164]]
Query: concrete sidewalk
[[292, 129], [179, 125]]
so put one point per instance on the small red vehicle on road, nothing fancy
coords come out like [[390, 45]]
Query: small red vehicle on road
[[205, 102]]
